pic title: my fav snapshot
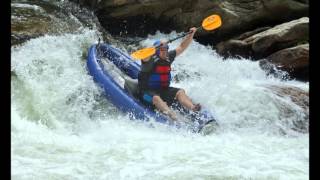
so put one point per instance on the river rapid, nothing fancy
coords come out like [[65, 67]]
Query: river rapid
[[62, 126]]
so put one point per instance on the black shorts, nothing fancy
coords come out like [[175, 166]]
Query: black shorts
[[167, 95]]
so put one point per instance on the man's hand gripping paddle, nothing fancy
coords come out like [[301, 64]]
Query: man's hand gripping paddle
[[210, 23]]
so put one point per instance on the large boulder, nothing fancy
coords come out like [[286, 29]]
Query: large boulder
[[31, 19], [266, 42], [28, 21], [237, 46], [280, 37], [293, 60], [293, 106]]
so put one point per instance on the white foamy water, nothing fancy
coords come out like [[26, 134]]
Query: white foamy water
[[63, 128]]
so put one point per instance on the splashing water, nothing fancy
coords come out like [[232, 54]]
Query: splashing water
[[63, 127]]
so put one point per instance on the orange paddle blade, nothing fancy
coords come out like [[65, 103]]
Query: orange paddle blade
[[143, 53], [211, 22]]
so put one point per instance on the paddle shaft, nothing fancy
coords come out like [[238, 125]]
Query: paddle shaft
[[182, 35]]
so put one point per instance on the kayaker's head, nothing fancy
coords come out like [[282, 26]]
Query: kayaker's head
[[162, 51]]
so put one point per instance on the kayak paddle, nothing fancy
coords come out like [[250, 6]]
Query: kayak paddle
[[209, 23]]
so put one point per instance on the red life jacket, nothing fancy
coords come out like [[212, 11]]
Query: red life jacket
[[158, 78]]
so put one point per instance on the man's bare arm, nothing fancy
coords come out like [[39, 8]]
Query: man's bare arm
[[186, 42]]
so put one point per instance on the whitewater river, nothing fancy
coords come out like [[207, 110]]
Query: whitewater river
[[62, 127]]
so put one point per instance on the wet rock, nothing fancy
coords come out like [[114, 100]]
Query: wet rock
[[273, 70], [266, 42], [281, 36], [293, 105], [284, 47], [31, 19], [237, 47], [234, 48], [28, 21], [251, 33], [293, 60]]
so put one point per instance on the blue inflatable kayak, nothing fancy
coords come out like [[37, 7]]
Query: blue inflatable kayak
[[117, 73]]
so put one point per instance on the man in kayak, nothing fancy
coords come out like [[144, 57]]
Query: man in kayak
[[154, 79]]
